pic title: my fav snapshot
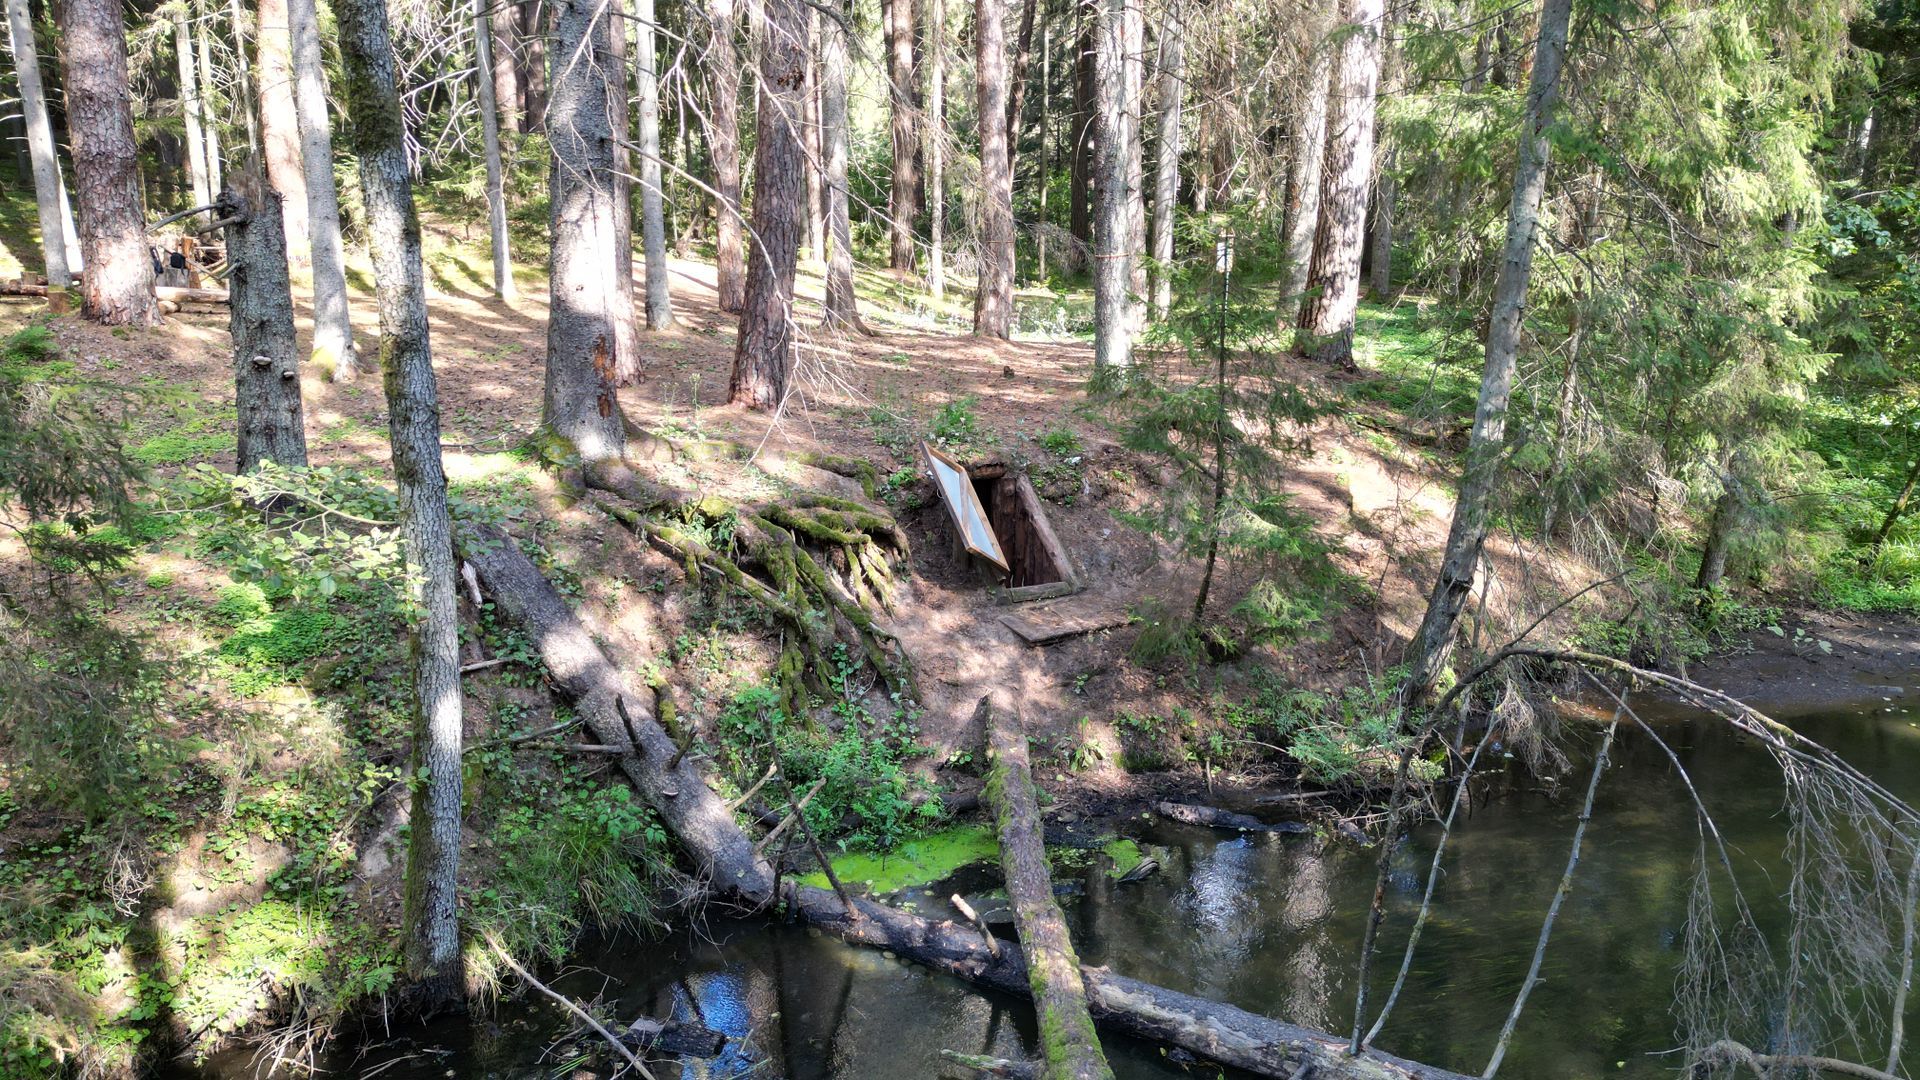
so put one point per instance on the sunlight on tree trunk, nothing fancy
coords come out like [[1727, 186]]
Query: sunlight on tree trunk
[[1333, 276], [1112, 329], [1166, 183], [486, 79], [903, 199], [653, 227], [763, 356], [722, 65], [49, 192], [118, 286], [280, 128], [842, 305], [935, 152], [1303, 184], [266, 368], [332, 323], [993, 299], [192, 109]]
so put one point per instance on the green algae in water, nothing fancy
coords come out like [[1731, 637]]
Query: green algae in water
[[920, 861], [1125, 855]]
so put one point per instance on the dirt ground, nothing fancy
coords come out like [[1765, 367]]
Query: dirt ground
[[1383, 506]]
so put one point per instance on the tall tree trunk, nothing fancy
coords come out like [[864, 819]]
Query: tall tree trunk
[[653, 226], [332, 324], [993, 298], [1166, 183], [503, 24], [245, 102], [626, 335], [1720, 530], [280, 128], [903, 201], [1133, 66], [1333, 276], [208, 128], [1380, 269], [936, 151], [266, 364], [1086, 124], [49, 192], [842, 308], [1112, 326], [1303, 183], [487, 77], [192, 109], [413, 419], [1899, 506], [815, 152], [1017, 78], [118, 287], [1046, 143], [723, 146], [1433, 642], [533, 65], [763, 357], [583, 362]]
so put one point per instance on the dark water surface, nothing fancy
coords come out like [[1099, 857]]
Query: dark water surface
[[1270, 923]]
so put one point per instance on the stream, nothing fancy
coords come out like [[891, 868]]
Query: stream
[[1270, 923]]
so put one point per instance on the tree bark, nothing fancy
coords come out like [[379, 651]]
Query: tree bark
[[118, 287], [626, 338], [49, 192], [1333, 275], [653, 226], [763, 357], [1380, 270], [1899, 506], [842, 307], [935, 152], [583, 362], [1133, 64], [1433, 642], [332, 323], [504, 33], [1017, 77], [814, 151], [1112, 329], [993, 298], [1720, 530], [208, 128], [266, 362], [1070, 1050], [1166, 184], [1086, 123], [192, 110], [488, 76], [723, 146], [535, 18], [413, 411], [280, 128], [672, 784], [903, 199]]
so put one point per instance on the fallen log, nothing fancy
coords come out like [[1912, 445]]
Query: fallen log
[[699, 819], [172, 294], [672, 1037], [1214, 817], [1069, 1048]]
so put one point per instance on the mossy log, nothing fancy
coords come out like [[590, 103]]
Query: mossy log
[[1069, 1048], [724, 854]]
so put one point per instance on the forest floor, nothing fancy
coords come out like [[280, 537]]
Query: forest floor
[[268, 857]]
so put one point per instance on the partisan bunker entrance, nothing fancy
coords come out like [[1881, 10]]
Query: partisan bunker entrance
[[1000, 527]]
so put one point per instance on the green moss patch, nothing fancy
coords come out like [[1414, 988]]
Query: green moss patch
[[1125, 855], [916, 862]]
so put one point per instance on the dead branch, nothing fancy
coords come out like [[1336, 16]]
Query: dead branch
[[565, 1002]]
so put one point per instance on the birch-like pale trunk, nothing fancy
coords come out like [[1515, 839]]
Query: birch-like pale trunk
[[1133, 69], [332, 322], [503, 39], [192, 110], [1112, 325], [1333, 274], [1433, 643], [215, 181], [763, 355], [118, 286], [1166, 183], [413, 410], [993, 298], [583, 364], [487, 78], [653, 222], [49, 191], [280, 127], [842, 306]]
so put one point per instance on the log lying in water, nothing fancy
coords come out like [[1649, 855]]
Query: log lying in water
[[671, 783], [672, 1037], [1214, 817], [1068, 1045]]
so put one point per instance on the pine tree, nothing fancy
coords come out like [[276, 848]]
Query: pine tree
[[763, 354], [118, 286]]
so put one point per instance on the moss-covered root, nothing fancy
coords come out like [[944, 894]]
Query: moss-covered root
[[1070, 1050]]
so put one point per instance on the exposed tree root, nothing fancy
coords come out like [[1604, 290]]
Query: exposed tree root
[[820, 564]]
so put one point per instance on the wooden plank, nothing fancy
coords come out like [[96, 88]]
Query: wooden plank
[[969, 518], [1047, 627]]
